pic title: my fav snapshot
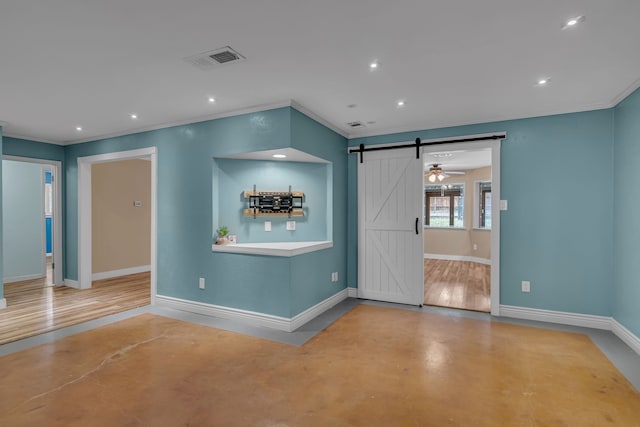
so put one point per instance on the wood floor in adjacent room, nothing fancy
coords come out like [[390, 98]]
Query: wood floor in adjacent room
[[35, 307], [457, 284], [375, 366]]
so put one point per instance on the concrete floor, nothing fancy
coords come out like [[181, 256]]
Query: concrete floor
[[374, 364]]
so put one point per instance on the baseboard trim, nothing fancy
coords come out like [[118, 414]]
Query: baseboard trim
[[121, 272], [625, 335], [352, 292], [551, 316], [313, 312], [3, 303], [251, 317], [458, 258], [71, 283], [22, 278]]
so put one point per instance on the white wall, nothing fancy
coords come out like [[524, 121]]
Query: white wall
[[23, 220]]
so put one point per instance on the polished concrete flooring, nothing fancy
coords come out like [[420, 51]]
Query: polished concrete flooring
[[375, 365]]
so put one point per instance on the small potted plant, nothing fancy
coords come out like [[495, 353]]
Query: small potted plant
[[222, 235]]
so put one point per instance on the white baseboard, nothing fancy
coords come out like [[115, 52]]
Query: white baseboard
[[251, 317], [458, 258], [574, 319], [71, 283], [353, 292], [121, 272], [625, 335], [313, 312], [3, 303], [21, 278]]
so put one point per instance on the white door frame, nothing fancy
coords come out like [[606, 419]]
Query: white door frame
[[57, 211], [494, 145], [84, 211]]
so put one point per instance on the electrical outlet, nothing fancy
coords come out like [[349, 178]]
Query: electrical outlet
[[291, 225], [267, 226], [201, 283], [475, 246], [334, 276], [526, 286]]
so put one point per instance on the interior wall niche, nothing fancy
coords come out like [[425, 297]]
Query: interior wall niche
[[233, 177]]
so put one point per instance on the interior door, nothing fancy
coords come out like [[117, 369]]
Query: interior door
[[390, 245]]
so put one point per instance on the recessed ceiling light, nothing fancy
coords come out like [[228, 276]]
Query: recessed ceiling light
[[572, 22], [79, 128], [543, 82], [134, 116], [400, 103], [373, 65], [212, 99], [279, 156]]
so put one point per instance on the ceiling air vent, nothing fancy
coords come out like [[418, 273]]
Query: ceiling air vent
[[355, 125], [215, 58]]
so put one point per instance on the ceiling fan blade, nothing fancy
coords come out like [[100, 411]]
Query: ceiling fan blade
[[454, 173]]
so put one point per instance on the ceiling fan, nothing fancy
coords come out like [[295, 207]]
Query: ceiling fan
[[437, 173]]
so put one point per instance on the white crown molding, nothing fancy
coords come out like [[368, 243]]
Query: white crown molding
[[625, 335], [251, 317], [199, 119], [121, 272], [628, 91], [2, 123], [318, 119], [430, 126], [560, 317], [28, 138]]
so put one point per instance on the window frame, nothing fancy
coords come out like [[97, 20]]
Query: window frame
[[452, 193]]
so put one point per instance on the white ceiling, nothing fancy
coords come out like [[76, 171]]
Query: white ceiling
[[458, 160], [92, 63]]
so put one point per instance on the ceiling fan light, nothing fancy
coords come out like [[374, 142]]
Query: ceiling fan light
[[441, 177], [432, 178]]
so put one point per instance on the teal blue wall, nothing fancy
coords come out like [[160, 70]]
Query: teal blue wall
[[39, 150], [185, 215], [557, 174], [1, 237], [232, 177], [32, 149], [311, 273], [23, 220], [627, 211]]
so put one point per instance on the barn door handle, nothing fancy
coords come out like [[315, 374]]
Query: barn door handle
[[417, 219]]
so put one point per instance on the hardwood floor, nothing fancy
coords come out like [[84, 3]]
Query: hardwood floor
[[35, 307], [457, 284]]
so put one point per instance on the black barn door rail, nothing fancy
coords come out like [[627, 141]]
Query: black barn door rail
[[418, 143]]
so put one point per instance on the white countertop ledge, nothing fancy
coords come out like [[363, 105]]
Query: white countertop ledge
[[284, 249]]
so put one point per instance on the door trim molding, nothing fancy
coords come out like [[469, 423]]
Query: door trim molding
[[56, 165], [494, 146], [84, 210]]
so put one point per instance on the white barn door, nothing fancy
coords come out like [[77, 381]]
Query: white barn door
[[390, 245]]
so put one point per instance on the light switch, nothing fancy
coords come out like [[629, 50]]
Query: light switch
[[504, 205], [291, 225], [137, 203], [267, 226]]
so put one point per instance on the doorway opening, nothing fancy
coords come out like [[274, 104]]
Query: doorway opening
[[461, 226], [90, 232], [32, 223]]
